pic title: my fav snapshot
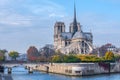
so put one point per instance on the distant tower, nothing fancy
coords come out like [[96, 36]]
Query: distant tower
[[74, 26], [58, 29]]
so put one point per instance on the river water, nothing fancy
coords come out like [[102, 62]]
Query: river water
[[19, 73]]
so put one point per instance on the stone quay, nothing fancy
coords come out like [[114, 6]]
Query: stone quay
[[79, 69]]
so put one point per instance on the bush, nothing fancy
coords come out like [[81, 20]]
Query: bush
[[65, 59], [2, 57], [71, 59], [109, 56]]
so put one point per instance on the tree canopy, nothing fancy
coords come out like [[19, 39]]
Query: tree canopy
[[14, 54], [65, 58], [2, 54], [109, 56]]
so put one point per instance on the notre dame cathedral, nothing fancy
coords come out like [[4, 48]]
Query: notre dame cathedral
[[75, 41]]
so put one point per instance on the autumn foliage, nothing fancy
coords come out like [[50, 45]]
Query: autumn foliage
[[14, 54], [46, 54], [32, 53], [109, 56]]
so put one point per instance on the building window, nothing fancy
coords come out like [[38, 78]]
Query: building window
[[58, 29], [69, 42], [68, 71], [82, 51], [90, 71], [77, 71], [82, 43], [61, 28], [65, 43]]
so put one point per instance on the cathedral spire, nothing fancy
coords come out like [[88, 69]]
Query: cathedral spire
[[75, 27], [75, 13]]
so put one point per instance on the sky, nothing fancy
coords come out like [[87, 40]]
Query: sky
[[25, 23]]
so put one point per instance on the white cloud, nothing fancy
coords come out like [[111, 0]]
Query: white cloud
[[25, 22], [56, 15], [28, 14]]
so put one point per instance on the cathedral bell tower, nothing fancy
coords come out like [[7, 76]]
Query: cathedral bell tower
[[58, 29]]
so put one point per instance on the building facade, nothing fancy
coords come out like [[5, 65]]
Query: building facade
[[75, 41]]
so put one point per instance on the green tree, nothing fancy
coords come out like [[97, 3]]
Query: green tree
[[71, 59], [13, 54], [117, 57], [65, 58], [2, 54], [90, 58], [3, 51], [56, 58], [109, 56]]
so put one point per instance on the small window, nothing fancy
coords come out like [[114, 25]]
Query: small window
[[65, 43], [70, 71], [69, 42], [82, 51], [82, 43], [61, 28], [66, 37], [66, 71], [77, 71]]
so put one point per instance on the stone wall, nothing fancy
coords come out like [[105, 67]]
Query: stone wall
[[80, 69]]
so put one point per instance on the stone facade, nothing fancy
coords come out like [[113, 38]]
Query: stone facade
[[75, 41], [79, 69]]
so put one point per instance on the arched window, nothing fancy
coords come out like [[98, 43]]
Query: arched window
[[69, 42], [65, 43], [82, 43], [66, 37], [82, 51], [61, 28]]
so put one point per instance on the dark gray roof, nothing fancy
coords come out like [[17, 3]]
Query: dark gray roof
[[88, 36], [79, 34], [83, 35], [66, 35]]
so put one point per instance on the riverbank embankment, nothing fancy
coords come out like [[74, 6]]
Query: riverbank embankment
[[79, 69]]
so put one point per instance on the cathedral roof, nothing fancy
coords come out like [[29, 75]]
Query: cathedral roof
[[79, 34], [88, 35], [66, 35]]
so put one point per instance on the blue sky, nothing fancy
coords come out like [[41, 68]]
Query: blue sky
[[25, 23]]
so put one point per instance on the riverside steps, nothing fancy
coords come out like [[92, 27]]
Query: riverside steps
[[79, 69]]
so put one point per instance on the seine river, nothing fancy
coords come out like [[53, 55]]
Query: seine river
[[19, 73]]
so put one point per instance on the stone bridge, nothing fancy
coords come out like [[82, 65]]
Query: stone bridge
[[29, 66]]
